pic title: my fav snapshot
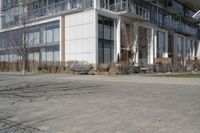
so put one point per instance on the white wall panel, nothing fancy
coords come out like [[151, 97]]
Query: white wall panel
[[80, 39]]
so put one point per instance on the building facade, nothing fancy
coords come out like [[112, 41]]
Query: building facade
[[103, 31]]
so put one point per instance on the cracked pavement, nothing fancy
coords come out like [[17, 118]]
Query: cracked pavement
[[58, 103]]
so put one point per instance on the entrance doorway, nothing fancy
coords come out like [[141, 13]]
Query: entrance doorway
[[143, 41]]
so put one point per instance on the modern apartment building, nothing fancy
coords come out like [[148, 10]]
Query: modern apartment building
[[104, 31]]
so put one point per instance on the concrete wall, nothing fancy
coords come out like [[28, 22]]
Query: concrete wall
[[81, 37]]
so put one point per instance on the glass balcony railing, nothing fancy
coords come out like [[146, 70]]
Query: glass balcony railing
[[60, 7], [186, 29], [45, 11], [128, 7], [177, 26]]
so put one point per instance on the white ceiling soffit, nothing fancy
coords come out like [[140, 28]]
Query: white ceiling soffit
[[193, 4]]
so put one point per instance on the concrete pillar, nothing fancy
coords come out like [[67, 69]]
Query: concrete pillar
[[155, 44], [184, 51], [166, 45], [118, 39], [193, 49], [62, 39], [97, 4], [96, 37], [198, 49], [136, 47], [151, 45]]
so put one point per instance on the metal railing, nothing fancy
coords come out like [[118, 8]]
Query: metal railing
[[129, 7], [177, 26], [60, 7], [50, 10]]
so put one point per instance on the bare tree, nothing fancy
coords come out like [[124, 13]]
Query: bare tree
[[21, 41], [132, 45]]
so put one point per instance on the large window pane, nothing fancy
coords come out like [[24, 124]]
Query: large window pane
[[107, 32], [56, 35], [44, 35], [179, 46], [50, 56], [37, 56], [106, 39], [160, 44], [49, 36], [100, 51], [43, 56], [1, 57], [36, 38], [56, 56], [30, 57], [107, 54]]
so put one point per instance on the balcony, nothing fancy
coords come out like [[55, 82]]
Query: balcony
[[130, 10], [186, 29], [58, 8], [63, 7]]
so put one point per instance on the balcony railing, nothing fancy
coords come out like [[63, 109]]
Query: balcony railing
[[60, 7], [128, 7], [178, 26], [50, 10]]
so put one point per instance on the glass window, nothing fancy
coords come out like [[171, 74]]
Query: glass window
[[107, 53], [1, 57], [160, 44], [179, 46], [44, 34], [100, 51], [106, 40], [189, 49], [6, 58], [56, 56], [30, 57], [100, 27], [37, 56], [49, 36], [36, 38], [14, 57], [107, 32], [43, 56], [56, 35], [50, 56]]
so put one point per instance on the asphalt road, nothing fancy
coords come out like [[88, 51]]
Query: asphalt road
[[98, 104]]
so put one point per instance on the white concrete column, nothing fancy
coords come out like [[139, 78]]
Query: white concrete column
[[193, 49], [184, 48], [155, 44], [185, 56], [62, 39], [151, 44], [96, 37], [118, 39], [166, 45], [136, 47], [97, 4], [198, 49]]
